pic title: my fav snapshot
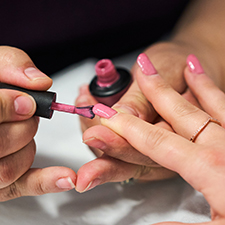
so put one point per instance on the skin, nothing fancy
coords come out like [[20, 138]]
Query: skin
[[200, 163], [199, 32], [201, 35], [17, 129]]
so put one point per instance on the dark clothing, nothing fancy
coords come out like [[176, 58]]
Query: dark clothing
[[57, 33]]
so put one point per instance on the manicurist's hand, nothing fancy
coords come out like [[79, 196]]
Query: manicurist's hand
[[195, 149], [17, 129]]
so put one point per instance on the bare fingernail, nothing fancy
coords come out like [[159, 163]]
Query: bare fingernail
[[24, 105], [65, 183], [33, 73], [103, 111], [83, 89], [91, 185], [95, 143]]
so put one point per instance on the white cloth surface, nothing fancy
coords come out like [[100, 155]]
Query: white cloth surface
[[59, 143]]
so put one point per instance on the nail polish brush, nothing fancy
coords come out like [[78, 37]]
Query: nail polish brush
[[46, 103]]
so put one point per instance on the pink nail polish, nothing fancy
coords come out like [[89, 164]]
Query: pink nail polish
[[103, 111], [146, 65], [194, 64]]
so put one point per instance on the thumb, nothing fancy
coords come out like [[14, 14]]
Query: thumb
[[15, 105], [38, 181], [135, 103], [17, 68]]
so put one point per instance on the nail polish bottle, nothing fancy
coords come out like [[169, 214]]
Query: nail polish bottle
[[110, 83]]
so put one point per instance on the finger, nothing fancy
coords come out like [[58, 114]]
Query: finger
[[153, 141], [40, 181], [135, 103], [15, 165], [211, 98], [85, 98], [106, 169], [178, 112], [14, 136], [188, 95], [17, 68], [173, 152], [15, 105], [101, 137]]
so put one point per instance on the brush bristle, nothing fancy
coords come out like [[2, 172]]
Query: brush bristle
[[85, 111]]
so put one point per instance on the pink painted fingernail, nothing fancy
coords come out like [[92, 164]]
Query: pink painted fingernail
[[194, 64], [65, 183], [103, 111], [146, 65]]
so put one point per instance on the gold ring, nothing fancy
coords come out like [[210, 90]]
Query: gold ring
[[204, 125]]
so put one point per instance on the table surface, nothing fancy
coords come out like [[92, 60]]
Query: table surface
[[108, 204]]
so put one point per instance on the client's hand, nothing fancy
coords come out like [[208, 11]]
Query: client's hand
[[17, 129], [196, 149]]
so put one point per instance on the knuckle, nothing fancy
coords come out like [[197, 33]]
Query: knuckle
[[10, 192], [154, 138], [4, 141], [142, 171], [9, 54], [213, 157], [182, 109], [40, 189], [7, 173], [3, 106]]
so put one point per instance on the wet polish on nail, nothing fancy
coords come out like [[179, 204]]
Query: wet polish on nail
[[103, 111], [194, 64], [146, 65]]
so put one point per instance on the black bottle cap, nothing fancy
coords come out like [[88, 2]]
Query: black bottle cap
[[43, 99]]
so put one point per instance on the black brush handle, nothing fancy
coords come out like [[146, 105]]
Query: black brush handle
[[43, 99]]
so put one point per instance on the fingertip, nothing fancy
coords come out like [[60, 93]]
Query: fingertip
[[103, 111], [194, 64], [84, 98], [24, 105]]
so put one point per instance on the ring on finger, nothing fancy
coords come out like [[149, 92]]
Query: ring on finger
[[202, 127]]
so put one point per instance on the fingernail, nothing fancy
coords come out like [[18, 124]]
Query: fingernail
[[95, 143], [194, 64], [103, 111], [83, 89], [24, 105], [65, 183], [146, 65], [92, 185], [33, 73]]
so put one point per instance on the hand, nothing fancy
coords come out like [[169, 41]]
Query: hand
[[17, 129], [102, 140], [201, 163]]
